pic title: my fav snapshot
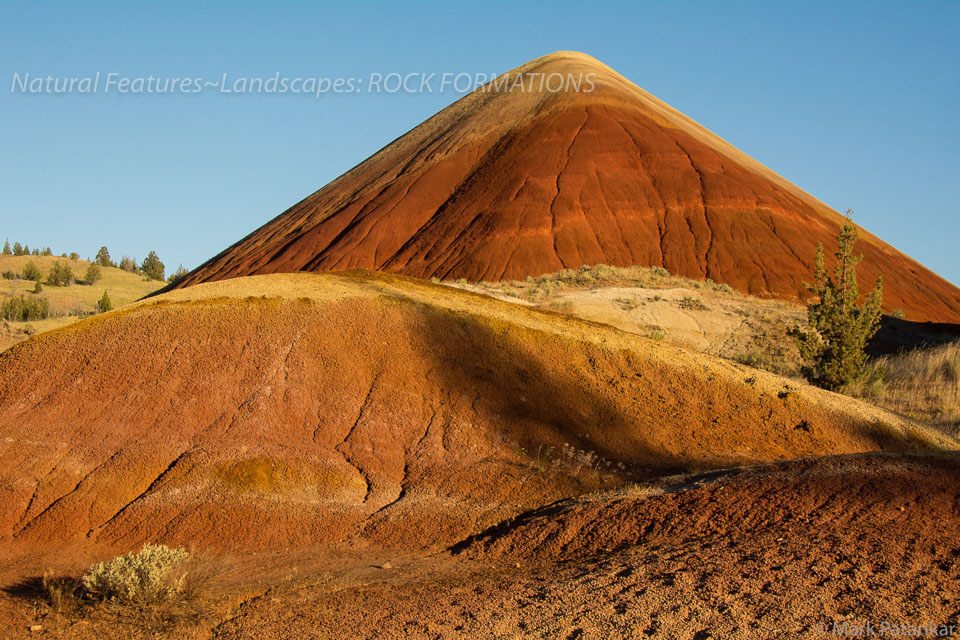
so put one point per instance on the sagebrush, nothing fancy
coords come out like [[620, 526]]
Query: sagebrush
[[155, 573]]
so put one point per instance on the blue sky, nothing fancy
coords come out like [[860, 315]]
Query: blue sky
[[855, 102]]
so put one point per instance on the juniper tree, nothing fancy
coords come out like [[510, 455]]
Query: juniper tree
[[103, 258], [104, 304], [177, 275], [60, 275], [93, 273], [152, 267], [839, 327], [32, 272]]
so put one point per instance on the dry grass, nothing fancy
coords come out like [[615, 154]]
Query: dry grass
[[67, 304], [600, 275], [174, 601], [923, 384]]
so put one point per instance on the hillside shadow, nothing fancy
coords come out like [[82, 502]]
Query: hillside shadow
[[541, 401], [896, 336]]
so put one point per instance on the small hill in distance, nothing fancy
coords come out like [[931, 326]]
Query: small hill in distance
[[67, 303]]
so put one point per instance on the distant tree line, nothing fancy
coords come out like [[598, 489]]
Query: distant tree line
[[24, 250], [27, 308], [151, 267]]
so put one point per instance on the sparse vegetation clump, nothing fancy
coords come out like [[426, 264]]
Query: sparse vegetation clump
[[692, 304], [32, 272], [93, 274], [155, 573], [839, 327], [128, 264], [157, 588], [23, 309], [923, 384], [61, 275], [177, 275], [537, 289]]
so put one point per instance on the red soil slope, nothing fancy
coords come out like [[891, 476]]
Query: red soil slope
[[508, 184], [295, 409], [776, 552]]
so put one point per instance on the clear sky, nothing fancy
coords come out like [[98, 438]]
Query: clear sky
[[855, 102]]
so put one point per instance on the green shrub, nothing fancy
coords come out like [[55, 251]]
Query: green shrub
[[153, 574], [93, 274], [177, 275], [152, 267], [693, 304], [10, 275], [61, 275], [104, 304], [32, 272], [833, 347], [103, 258], [37, 288], [23, 309]]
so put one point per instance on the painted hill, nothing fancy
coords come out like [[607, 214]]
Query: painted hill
[[505, 184], [230, 414]]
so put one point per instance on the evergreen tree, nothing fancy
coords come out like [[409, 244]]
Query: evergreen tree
[[17, 249], [104, 304], [833, 346], [6, 248], [93, 274], [177, 275], [103, 258], [61, 275], [32, 272], [152, 267]]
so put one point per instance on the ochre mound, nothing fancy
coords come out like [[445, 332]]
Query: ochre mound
[[295, 409], [508, 184]]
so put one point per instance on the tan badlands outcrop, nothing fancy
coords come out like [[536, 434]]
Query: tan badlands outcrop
[[505, 184], [295, 409]]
